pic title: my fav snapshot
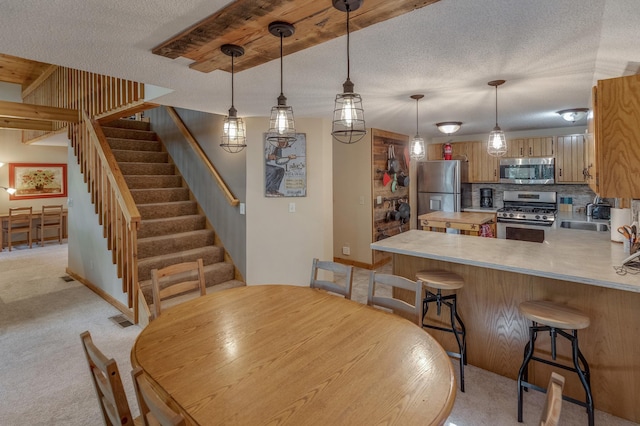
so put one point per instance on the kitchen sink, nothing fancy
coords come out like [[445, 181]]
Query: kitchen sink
[[585, 226]]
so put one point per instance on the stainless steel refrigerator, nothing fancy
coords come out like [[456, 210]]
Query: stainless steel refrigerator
[[442, 186]]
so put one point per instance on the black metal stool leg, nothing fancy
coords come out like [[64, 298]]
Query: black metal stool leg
[[524, 370], [583, 377], [457, 332]]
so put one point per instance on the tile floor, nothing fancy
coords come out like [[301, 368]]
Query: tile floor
[[491, 399]]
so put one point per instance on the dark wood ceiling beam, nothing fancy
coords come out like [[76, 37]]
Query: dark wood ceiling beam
[[20, 124], [37, 112], [245, 23]]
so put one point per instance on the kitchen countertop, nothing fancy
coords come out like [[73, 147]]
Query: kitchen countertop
[[586, 257], [476, 209]]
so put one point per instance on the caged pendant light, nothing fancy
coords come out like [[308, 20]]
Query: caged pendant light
[[497, 144], [281, 125], [348, 115], [417, 143], [234, 137]]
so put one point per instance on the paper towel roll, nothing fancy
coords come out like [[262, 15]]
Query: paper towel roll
[[619, 217]]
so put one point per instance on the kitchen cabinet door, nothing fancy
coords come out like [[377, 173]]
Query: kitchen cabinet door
[[590, 146], [617, 137], [530, 147], [570, 163], [434, 151], [482, 166]]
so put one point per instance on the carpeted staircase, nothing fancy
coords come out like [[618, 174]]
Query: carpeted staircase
[[173, 230]]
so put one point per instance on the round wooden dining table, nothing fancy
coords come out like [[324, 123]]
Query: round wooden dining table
[[279, 354]]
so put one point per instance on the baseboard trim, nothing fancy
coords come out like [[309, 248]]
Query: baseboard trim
[[106, 296]]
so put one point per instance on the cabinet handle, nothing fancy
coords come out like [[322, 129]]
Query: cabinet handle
[[530, 151], [521, 152], [561, 171], [495, 173]]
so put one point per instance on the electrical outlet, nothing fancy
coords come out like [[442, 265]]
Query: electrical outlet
[[242, 208], [292, 207], [346, 250], [361, 200]]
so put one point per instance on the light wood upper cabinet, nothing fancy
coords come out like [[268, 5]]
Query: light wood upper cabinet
[[616, 150], [434, 151], [570, 159], [530, 147], [482, 166], [590, 147]]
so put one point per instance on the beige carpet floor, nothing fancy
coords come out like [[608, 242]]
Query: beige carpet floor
[[44, 379]]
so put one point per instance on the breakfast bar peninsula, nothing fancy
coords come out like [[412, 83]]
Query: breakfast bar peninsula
[[577, 268]]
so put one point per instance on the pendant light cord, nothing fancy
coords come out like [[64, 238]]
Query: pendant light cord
[[496, 106], [348, 54], [281, 67], [417, 133], [232, 57]]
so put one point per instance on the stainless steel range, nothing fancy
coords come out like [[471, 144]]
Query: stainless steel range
[[526, 214]]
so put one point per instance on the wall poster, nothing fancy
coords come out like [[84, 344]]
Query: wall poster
[[286, 168], [36, 180]]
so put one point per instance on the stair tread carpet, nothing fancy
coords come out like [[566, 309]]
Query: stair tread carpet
[[134, 144], [169, 209], [156, 246]]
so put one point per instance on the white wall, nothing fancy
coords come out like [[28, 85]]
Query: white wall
[[88, 254], [12, 150], [281, 245]]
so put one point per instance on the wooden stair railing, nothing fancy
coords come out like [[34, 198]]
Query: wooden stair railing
[[114, 204], [231, 199]]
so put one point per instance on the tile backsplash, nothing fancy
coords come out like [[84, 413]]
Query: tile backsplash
[[581, 194]]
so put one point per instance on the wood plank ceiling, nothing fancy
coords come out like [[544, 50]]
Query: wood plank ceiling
[[21, 116], [245, 23]]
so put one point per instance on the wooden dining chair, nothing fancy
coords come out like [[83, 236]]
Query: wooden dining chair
[[50, 218], [389, 302], [176, 280], [19, 222], [108, 384], [553, 403], [342, 274], [153, 410]]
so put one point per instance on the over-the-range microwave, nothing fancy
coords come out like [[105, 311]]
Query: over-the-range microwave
[[529, 170]]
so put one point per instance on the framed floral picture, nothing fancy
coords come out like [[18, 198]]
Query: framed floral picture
[[36, 180]]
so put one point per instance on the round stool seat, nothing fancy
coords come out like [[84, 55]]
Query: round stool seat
[[554, 315], [443, 280]]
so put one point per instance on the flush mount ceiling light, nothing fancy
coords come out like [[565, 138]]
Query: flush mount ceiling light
[[281, 125], [348, 115], [449, 127], [497, 145], [574, 114], [417, 143], [234, 137]]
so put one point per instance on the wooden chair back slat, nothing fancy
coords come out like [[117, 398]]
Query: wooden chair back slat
[[178, 281], [342, 273], [153, 410], [107, 384], [395, 281]]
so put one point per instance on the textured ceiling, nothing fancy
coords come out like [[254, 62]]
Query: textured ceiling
[[550, 52]]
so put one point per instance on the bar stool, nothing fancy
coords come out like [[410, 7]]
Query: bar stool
[[444, 280], [558, 320]]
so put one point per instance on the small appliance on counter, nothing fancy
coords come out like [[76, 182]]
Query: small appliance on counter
[[598, 209], [486, 197]]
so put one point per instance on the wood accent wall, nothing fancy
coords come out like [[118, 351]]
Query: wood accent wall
[[383, 228], [96, 94]]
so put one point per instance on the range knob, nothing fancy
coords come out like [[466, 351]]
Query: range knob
[[538, 217], [510, 214], [544, 217]]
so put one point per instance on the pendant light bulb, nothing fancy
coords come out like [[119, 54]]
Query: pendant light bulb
[[282, 129], [348, 115], [416, 150], [234, 137], [497, 144]]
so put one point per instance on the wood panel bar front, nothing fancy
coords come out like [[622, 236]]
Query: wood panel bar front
[[497, 332]]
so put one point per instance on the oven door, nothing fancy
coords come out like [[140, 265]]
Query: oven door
[[521, 230]]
